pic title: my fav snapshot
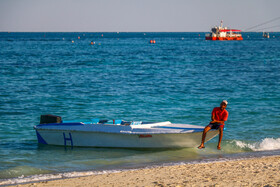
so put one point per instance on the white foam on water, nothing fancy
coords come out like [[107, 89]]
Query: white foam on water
[[267, 144], [264, 145], [45, 177]]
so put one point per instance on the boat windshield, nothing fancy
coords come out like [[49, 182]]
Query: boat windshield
[[214, 30]]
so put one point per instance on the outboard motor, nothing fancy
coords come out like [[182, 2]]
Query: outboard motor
[[49, 118]]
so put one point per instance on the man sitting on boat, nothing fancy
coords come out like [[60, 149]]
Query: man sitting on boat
[[219, 116]]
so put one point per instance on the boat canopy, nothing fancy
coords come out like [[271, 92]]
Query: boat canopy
[[230, 30]]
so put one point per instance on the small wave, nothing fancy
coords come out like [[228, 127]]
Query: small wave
[[264, 145], [45, 177]]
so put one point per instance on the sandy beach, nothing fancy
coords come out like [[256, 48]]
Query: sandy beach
[[263, 171]]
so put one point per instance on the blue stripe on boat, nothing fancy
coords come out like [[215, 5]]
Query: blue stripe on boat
[[180, 128], [40, 138], [86, 121], [59, 124]]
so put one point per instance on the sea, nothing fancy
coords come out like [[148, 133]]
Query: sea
[[180, 78]]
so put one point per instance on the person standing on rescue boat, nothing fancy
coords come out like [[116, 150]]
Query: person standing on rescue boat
[[219, 116]]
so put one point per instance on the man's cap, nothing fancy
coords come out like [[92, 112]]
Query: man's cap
[[225, 101]]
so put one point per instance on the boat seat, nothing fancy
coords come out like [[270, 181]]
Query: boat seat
[[116, 122], [103, 121], [126, 123]]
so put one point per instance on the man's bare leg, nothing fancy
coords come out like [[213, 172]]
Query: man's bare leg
[[206, 129], [221, 129]]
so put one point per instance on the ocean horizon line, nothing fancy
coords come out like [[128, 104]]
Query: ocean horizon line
[[122, 32]]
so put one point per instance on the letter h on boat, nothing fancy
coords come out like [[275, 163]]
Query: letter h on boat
[[68, 139]]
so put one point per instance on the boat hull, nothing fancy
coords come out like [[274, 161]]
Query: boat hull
[[102, 139], [223, 38]]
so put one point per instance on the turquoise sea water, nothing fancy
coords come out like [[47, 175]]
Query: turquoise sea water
[[180, 79]]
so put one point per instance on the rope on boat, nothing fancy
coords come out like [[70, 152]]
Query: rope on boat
[[275, 26], [264, 23]]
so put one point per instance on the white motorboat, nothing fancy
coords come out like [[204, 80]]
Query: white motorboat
[[118, 133]]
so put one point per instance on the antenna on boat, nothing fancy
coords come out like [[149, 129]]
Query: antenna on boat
[[221, 23]]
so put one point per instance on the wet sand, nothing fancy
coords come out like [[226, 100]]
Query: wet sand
[[263, 171]]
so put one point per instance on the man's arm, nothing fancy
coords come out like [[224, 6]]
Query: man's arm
[[215, 121], [213, 117], [219, 121]]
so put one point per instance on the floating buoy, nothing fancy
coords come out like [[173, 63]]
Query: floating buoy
[[72, 41], [92, 43], [152, 41], [101, 35], [79, 37]]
